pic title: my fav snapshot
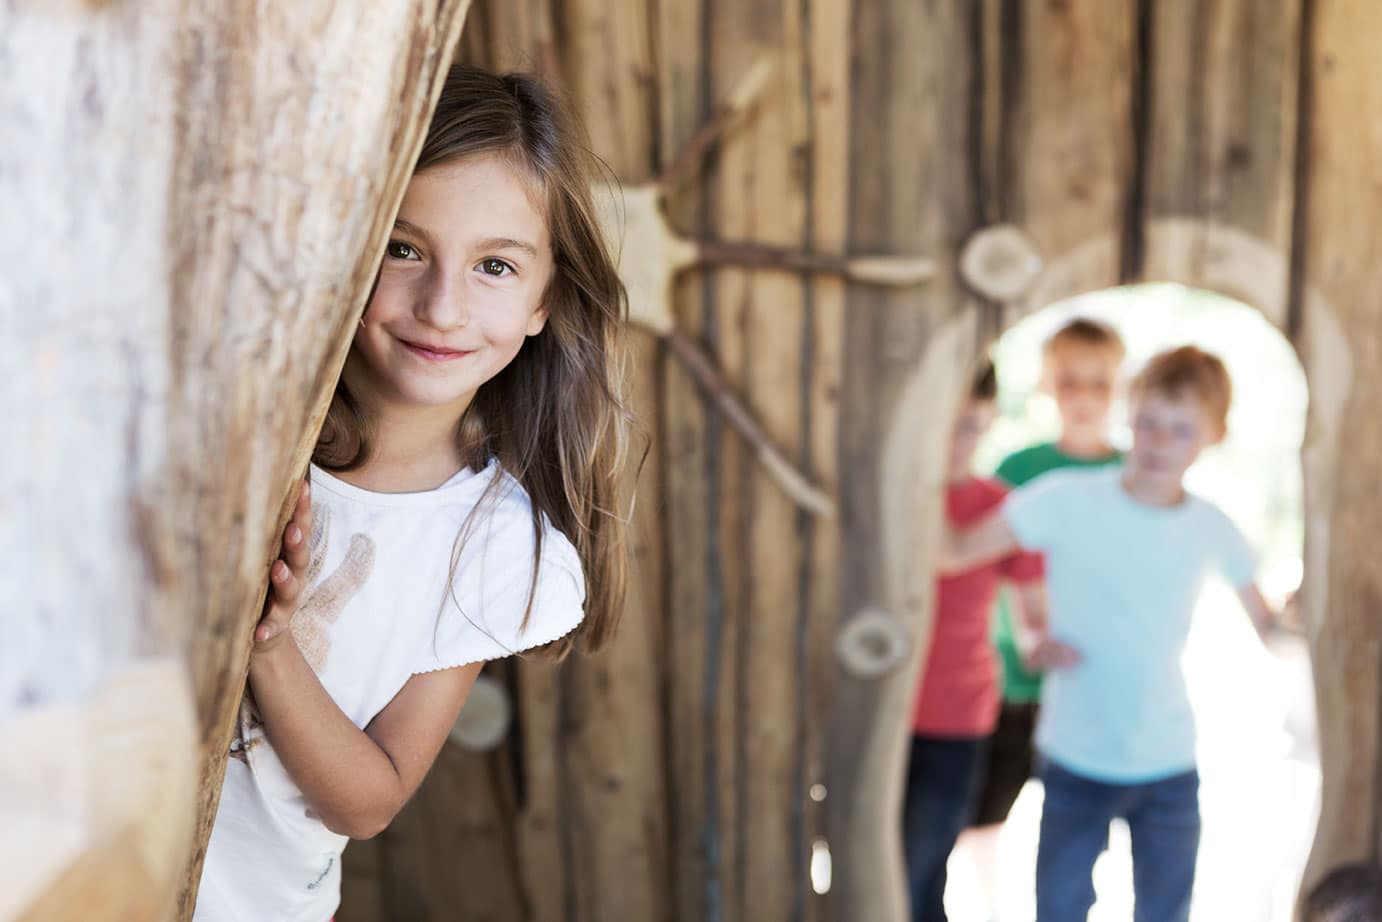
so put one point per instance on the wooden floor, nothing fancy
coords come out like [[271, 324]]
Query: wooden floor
[[1259, 795]]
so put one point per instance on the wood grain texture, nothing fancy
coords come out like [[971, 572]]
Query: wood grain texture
[[1342, 351], [201, 280], [1220, 152], [758, 193], [692, 435], [1067, 136], [827, 69], [911, 190]]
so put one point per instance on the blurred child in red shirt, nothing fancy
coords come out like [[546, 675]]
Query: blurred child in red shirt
[[959, 698]]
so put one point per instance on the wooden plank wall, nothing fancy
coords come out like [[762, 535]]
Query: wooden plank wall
[[1212, 143]]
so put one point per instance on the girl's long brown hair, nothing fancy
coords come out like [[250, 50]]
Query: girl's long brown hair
[[553, 417]]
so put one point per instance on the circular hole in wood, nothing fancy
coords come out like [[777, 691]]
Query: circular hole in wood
[[871, 644], [1000, 262]]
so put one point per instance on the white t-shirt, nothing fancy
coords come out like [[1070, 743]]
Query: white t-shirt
[[1123, 579], [375, 614]]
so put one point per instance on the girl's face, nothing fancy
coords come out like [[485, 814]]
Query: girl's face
[[460, 289]]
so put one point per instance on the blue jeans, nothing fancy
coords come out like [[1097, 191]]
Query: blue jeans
[[1163, 819], [944, 778]]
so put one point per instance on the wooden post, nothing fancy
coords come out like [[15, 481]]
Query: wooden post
[[1341, 344], [1218, 163], [912, 189], [197, 196]]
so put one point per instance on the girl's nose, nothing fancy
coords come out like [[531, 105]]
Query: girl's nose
[[445, 305]]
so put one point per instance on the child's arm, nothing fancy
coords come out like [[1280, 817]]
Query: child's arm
[[1265, 620], [983, 542], [356, 780], [1040, 650]]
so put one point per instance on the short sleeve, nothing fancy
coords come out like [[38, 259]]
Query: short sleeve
[[1037, 513], [483, 619], [1009, 470], [1025, 567], [1236, 558]]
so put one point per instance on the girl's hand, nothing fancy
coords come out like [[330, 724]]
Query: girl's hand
[[286, 576], [1050, 653]]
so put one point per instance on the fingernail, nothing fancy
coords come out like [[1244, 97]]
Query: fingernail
[[280, 570], [306, 488], [294, 534]]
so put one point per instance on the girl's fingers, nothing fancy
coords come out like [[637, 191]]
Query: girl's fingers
[[288, 573], [286, 584], [273, 623], [295, 552]]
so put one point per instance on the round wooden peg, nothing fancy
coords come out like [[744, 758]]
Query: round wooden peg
[[1000, 262], [484, 721], [872, 644]]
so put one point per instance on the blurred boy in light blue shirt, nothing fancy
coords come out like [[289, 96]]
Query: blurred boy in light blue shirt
[[1127, 553]]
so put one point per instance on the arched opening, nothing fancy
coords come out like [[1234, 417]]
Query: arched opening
[[1259, 766]]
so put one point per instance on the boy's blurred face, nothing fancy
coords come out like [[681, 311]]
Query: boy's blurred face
[[974, 420], [1082, 379], [1168, 434]]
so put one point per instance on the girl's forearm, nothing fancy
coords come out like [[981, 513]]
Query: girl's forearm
[[344, 775]]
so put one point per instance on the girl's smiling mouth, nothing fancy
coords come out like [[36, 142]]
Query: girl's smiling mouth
[[434, 353]]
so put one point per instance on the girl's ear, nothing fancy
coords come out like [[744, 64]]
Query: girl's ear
[[537, 321]]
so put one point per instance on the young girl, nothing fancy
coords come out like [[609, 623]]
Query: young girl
[[462, 500]]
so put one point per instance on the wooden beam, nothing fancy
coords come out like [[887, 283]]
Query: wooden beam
[[912, 189], [197, 277], [1342, 351], [1067, 137], [1220, 154]]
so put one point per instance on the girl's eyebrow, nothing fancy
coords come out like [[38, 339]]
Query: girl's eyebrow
[[410, 228], [489, 243], [507, 243]]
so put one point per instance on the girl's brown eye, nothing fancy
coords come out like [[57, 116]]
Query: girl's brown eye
[[495, 267], [399, 250]]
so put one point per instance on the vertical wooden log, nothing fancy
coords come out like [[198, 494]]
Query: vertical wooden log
[[827, 40], [174, 339], [695, 612], [1219, 157], [607, 809], [1067, 138], [1342, 351], [912, 191], [760, 195]]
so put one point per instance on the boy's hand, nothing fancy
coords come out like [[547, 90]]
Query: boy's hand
[[286, 577], [1050, 653]]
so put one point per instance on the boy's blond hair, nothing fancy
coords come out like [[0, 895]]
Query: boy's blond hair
[[1188, 371], [1083, 332]]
